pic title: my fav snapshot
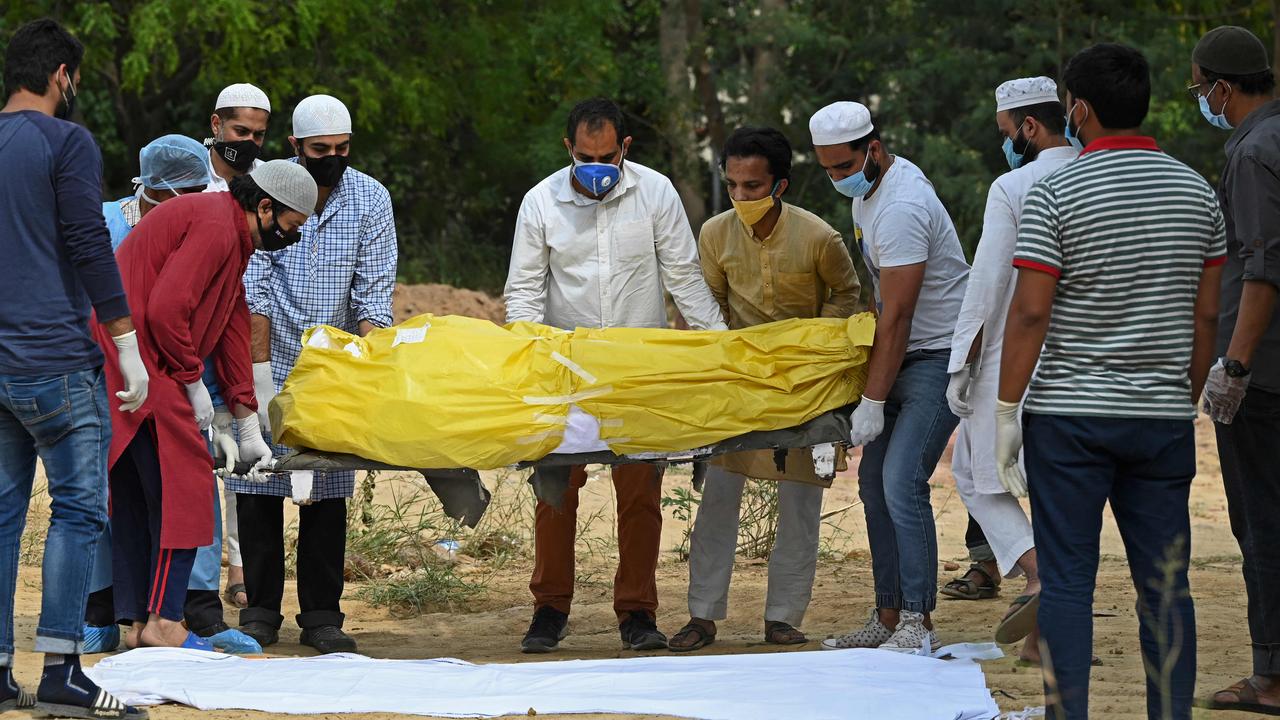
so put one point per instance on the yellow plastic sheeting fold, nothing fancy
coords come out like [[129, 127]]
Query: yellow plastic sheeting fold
[[468, 393]]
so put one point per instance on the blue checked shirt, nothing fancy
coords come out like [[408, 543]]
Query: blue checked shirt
[[341, 272]]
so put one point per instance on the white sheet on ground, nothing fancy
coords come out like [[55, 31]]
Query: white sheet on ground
[[840, 684]]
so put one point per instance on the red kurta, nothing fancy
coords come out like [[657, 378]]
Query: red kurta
[[183, 267]]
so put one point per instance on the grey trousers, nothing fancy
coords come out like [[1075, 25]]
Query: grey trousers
[[715, 538]]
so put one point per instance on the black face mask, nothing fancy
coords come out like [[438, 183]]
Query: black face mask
[[327, 170], [239, 154], [68, 104], [274, 237]]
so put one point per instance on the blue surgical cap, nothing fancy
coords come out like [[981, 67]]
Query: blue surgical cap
[[173, 162]]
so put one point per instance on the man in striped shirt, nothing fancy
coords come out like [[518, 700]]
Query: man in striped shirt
[[1119, 257]]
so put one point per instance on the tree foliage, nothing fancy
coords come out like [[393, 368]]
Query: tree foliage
[[459, 106]]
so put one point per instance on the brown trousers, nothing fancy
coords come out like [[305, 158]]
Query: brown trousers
[[638, 488]]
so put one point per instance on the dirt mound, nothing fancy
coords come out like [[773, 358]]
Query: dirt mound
[[410, 300]]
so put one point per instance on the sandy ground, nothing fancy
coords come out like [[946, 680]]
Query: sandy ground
[[489, 629], [410, 300]]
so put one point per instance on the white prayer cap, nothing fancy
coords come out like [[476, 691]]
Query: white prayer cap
[[840, 122], [321, 115], [288, 182], [1025, 91], [242, 95]]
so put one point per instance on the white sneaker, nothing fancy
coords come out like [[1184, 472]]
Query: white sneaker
[[872, 635], [912, 636]]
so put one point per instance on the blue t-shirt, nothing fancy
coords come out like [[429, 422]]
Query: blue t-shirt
[[117, 224], [53, 236]]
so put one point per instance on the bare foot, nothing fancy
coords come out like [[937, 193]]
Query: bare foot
[[1031, 648], [159, 632], [131, 637]]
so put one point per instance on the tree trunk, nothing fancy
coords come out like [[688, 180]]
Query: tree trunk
[[765, 61], [682, 139], [704, 77]]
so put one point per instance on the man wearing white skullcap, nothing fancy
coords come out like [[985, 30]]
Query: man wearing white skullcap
[[1032, 121], [341, 274], [183, 267], [918, 276], [239, 124]]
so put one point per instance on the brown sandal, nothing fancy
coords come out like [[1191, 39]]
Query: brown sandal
[[702, 638], [780, 633], [1246, 700]]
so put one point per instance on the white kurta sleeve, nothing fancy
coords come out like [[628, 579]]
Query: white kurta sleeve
[[992, 270], [526, 290]]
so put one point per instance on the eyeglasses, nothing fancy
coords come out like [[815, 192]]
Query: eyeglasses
[[1194, 92]]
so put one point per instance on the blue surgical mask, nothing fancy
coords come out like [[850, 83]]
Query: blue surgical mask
[[1014, 158], [857, 184], [1218, 120], [1071, 134], [597, 178]]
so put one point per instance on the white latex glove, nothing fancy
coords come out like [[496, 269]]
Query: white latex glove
[[132, 371], [1223, 393], [201, 404], [254, 449], [867, 420], [264, 388], [958, 391], [1008, 447], [224, 440]]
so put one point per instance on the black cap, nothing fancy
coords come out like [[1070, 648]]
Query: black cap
[[1231, 50]]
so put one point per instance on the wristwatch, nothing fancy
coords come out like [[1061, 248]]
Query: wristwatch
[[1234, 368]]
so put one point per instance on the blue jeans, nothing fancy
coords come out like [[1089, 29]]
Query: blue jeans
[[893, 482], [1144, 467], [64, 420]]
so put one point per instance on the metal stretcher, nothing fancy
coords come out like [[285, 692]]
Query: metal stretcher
[[464, 497]]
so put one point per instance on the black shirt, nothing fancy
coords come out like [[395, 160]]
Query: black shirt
[[1250, 197]]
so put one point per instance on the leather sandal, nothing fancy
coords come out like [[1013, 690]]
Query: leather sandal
[[780, 633], [701, 636], [1247, 700], [966, 588]]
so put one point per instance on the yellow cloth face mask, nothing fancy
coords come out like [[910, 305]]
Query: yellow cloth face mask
[[750, 211]]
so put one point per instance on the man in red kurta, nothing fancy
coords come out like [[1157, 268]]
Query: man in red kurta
[[182, 268]]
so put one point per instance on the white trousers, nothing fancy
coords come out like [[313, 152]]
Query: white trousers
[[1001, 516], [231, 527], [714, 543]]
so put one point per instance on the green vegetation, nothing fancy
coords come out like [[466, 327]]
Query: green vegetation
[[459, 106]]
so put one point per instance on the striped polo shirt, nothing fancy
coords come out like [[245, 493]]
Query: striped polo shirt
[[1127, 231]]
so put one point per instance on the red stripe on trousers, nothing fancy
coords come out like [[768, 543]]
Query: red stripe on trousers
[[161, 582]]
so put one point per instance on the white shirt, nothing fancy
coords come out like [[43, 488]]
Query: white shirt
[[986, 304], [216, 183], [578, 262], [905, 223]]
